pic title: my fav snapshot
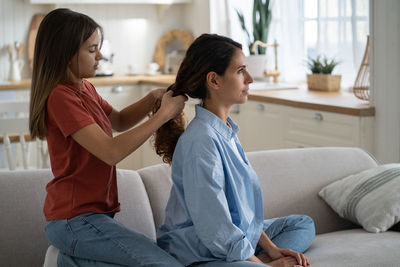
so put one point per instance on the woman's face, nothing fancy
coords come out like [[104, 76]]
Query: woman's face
[[234, 84], [86, 61]]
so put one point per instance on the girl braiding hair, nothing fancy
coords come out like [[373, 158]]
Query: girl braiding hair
[[209, 52], [78, 125]]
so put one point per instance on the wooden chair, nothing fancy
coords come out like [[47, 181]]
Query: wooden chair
[[14, 128]]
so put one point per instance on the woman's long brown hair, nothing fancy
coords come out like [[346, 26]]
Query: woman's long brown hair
[[209, 52], [60, 35]]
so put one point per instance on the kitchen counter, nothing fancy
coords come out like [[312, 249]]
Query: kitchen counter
[[161, 80], [337, 102]]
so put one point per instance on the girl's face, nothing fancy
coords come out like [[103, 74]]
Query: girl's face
[[84, 63], [234, 84]]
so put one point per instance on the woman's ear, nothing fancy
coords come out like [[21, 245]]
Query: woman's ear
[[212, 79]]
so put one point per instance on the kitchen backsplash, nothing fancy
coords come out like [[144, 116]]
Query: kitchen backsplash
[[133, 30]]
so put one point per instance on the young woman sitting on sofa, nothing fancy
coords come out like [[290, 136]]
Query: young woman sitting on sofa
[[214, 216]]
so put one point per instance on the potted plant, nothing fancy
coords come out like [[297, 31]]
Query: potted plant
[[321, 77], [262, 16]]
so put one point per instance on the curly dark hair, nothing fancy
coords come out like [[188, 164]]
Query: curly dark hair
[[208, 53]]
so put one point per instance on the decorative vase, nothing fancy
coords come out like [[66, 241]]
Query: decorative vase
[[256, 65]]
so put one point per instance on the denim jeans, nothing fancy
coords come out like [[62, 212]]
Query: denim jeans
[[228, 264], [295, 232], [94, 239]]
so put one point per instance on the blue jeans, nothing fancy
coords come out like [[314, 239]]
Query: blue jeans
[[94, 239], [295, 232]]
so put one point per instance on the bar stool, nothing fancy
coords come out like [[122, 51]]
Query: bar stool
[[14, 128]]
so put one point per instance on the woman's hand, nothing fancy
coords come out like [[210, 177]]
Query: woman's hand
[[158, 93], [171, 106], [277, 253]]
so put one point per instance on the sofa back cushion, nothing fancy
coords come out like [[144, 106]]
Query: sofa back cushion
[[157, 180], [23, 241], [291, 179], [135, 205]]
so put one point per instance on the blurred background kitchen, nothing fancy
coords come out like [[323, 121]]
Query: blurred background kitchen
[[145, 41]]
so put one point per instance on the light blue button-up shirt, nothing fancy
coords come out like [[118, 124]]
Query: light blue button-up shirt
[[215, 207]]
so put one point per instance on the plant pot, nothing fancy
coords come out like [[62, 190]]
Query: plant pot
[[256, 65], [323, 82]]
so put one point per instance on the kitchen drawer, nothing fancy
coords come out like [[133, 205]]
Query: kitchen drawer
[[120, 96], [261, 126], [317, 128]]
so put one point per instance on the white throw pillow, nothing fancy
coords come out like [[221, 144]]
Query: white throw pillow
[[370, 198]]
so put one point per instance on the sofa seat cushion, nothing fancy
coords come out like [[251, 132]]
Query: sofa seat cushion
[[354, 248], [348, 248]]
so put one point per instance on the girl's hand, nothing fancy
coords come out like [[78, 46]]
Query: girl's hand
[[158, 93], [171, 106], [277, 253]]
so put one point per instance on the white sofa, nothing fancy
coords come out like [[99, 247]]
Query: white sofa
[[290, 179]]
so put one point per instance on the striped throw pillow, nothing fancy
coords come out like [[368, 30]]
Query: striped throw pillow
[[370, 198]]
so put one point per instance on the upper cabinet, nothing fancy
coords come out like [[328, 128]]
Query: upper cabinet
[[154, 2]]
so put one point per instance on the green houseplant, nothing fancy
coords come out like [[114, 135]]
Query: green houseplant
[[262, 16], [321, 77], [261, 20]]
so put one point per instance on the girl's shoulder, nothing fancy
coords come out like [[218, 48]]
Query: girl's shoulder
[[62, 90]]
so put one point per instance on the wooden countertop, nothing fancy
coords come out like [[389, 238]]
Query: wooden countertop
[[337, 102], [161, 80]]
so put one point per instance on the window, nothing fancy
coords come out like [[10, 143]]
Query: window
[[306, 28]]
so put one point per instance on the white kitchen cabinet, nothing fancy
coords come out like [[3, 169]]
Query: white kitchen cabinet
[[149, 156], [310, 128], [120, 97], [261, 126], [274, 126]]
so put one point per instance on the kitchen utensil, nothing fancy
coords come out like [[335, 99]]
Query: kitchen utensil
[[21, 50], [36, 20], [10, 51]]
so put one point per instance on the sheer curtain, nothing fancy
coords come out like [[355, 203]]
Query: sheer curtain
[[306, 28]]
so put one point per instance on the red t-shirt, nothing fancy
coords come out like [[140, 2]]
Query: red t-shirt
[[82, 183]]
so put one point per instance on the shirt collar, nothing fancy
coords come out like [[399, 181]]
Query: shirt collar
[[215, 122]]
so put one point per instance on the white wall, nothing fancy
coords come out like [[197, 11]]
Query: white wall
[[385, 77], [132, 29], [197, 17]]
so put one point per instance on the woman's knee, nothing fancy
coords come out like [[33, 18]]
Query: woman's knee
[[305, 225], [302, 221]]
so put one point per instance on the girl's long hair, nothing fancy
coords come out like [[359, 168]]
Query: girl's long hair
[[59, 37], [209, 52]]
